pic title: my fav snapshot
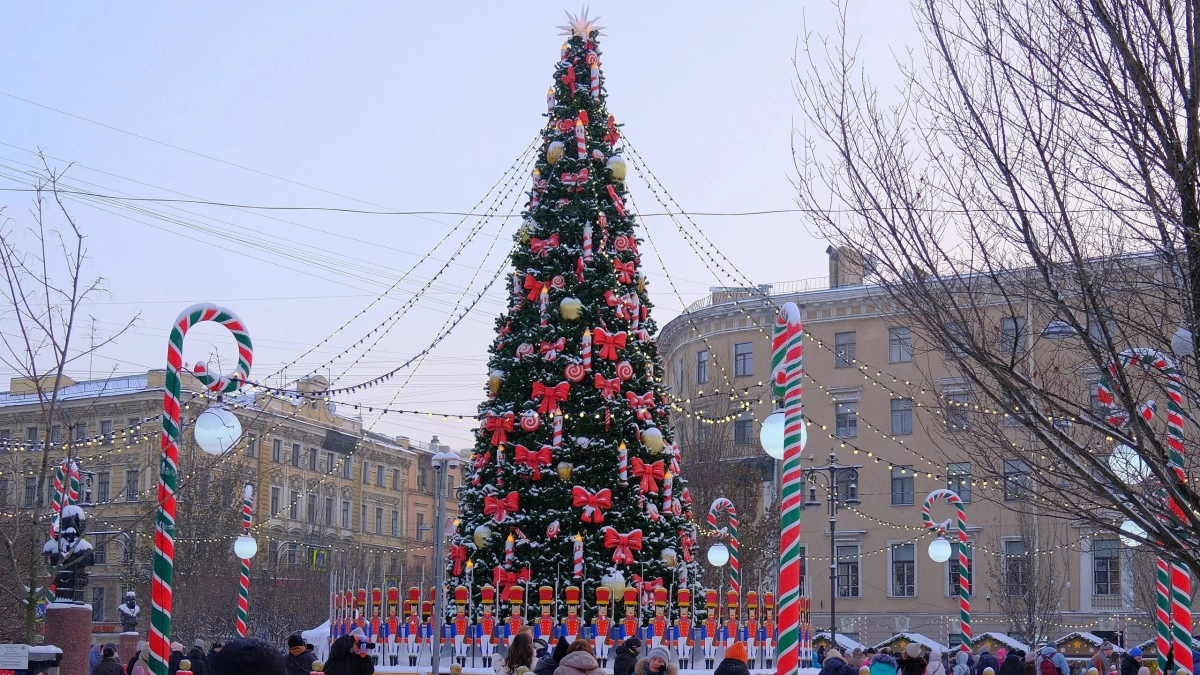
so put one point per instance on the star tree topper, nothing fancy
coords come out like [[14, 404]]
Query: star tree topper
[[581, 25]]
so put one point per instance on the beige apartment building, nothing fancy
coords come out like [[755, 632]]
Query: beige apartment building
[[332, 498], [858, 357]]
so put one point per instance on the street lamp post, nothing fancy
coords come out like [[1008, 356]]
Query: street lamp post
[[443, 464], [832, 474], [940, 549]]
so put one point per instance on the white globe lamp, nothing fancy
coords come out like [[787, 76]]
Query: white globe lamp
[[939, 550], [216, 430], [245, 547], [1133, 529], [1128, 464], [718, 555], [771, 434]]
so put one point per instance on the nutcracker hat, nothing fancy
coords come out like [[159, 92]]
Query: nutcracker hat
[[710, 598], [362, 597], [683, 597], [376, 596], [433, 595], [393, 595], [487, 595], [516, 595], [660, 597], [731, 599], [349, 601], [460, 595], [603, 596], [545, 595], [768, 601], [337, 599], [631, 596], [414, 595], [572, 594], [751, 599], [426, 608]]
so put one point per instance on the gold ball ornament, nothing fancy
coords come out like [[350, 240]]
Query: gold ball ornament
[[652, 438], [318, 666], [570, 308], [555, 152], [526, 232], [494, 379], [669, 557], [482, 535], [616, 167], [564, 470]]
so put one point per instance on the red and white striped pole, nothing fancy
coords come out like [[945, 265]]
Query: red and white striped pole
[[787, 370], [243, 607]]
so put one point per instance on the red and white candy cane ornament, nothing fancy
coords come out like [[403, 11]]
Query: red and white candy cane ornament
[[243, 606], [587, 243], [593, 63], [161, 590], [577, 556], [558, 428], [580, 138], [964, 583], [623, 464]]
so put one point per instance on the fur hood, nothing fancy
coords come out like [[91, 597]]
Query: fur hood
[[643, 668], [578, 663]]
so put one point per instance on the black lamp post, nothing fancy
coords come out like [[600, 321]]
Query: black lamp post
[[832, 474]]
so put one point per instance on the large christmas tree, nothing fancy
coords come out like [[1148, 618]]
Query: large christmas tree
[[574, 448]]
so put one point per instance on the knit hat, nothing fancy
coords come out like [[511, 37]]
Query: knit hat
[[913, 650], [247, 656], [295, 640], [738, 651], [832, 653], [633, 642], [1105, 645], [661, 653], [176, 647], [1144, 670], [216, 645], [198, 643], [1031, 656], [1135, 652]]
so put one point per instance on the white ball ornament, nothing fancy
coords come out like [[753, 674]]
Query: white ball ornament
[[652, 438], [570, 308], [555, 152], [617, 168], [482, 535]]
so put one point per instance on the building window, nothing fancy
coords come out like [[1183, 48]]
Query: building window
[[902, 413], [366, 473], [847, 571], [420, 527], [677, 380], [31, 436], [847, 419], [362, 518], [103, 485], [295, 454], [958, 411], [904, 570], [902, 486], [251, 446], [422, 478], [312, 459], [127, 554], [312, 508], [81, 431], [899, 345], [450, 483], [845, 349], [5, 436], [4, 491], [277, 450], [395, 479], [100, 553], [702, 366], [346, 514], [743, 432], [958, 479], [55, 434], [1016, 568], [98, 604], [395, 523], [379, 474], [702, 432], [30, 492], [378, 520], [274, 502], [347, 467], [1016, 480], [106, 434], [1106, 567], [804, 590], [329, 511], [952, 571], [291, 553], [294, 505], [743, 359], [1012, 334], [131, 485]]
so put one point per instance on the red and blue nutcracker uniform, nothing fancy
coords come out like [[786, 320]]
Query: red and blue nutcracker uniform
[[485, 628], [710, 630], [460, 628], [766, 632], [544, 627], [729, 632], [681, 632], [631, 626], [412, 626], [571, 626], [659, 624], [602, 627]]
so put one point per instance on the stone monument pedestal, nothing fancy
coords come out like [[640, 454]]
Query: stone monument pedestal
[[128, 645], [69, 627]]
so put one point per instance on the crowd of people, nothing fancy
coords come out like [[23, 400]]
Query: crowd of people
[[913, 660], [349, 655]]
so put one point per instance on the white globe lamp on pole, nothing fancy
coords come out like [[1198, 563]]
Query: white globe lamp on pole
[[771, 435], [245, 547], [939, 550], [1128, 464], [1133, 529], [718, 555], [216, 430]]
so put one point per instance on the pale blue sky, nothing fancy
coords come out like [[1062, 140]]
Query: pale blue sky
[[418, 106]]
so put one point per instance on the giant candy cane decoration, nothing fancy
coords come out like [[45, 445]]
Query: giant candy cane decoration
[[1173, 615], [787, 368], [731, 533], [168, 471], [243, 606], [964, 571]]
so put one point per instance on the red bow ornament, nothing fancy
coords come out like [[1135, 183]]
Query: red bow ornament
[[500, 426], [551, 395], [649, 473], [505, 580], [458, 555], [623, 545], [499, 509], [620, 304], [568, 79], [608, 388], [551, 350], [591, 503], [534, 459], [611, 136], [609, 344], [533, 286], [625, 271], [480, 461], [576, 179], [542, 247], [646, 400]]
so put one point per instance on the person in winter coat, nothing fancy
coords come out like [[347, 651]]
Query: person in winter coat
[[1030, 664], [1131, 661], [174, 659], [547, 664], [108, 664], [935, 665], [735, 660], [141, 665], [94, 656], [1012, 665], [141, 647], [251, 656], [1103, 657], [299, 658], [520, 653], [626, 656], [961, 666], [347, 656], [657, 662], [984, 659], [835, 664], [580, 660], [212, 654], [884, 664], [198, 658], [914, 663]]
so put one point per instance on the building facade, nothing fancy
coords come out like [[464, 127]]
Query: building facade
[[332, 498], [875, 397]]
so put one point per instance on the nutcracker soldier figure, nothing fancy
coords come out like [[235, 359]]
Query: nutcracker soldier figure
[[412, 627], [460, 628], [376, 623], [658, 625], [749, 632], [485, 628], [393, 625], [428, 639], [545, 623], [729, 634], [766, 632], [516, 619], [361, 621], [602, 626], [631, 625], [711, 629], [569, 629], [681, 634]]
